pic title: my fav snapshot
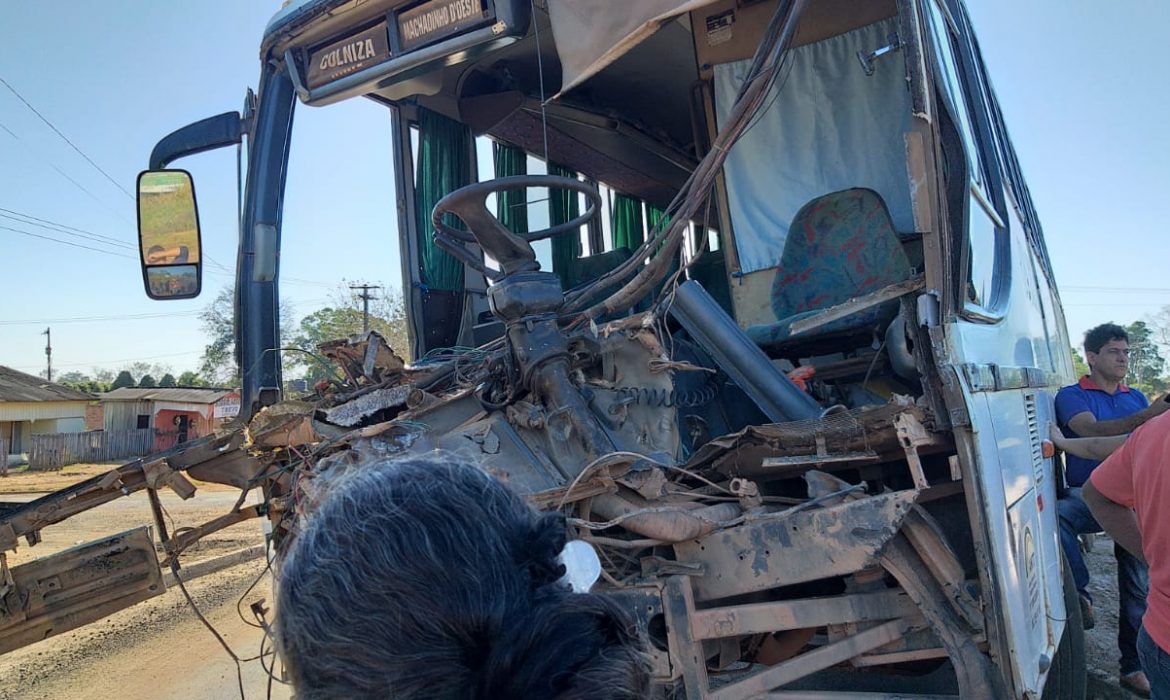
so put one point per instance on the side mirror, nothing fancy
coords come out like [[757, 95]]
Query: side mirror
[[168, 234]]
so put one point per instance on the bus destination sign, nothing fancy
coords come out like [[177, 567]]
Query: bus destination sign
[[348, 55], [438, 19]]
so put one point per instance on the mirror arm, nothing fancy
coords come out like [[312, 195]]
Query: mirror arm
[[204, 135]]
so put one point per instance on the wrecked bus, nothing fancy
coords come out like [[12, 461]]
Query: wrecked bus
[[758, 297]]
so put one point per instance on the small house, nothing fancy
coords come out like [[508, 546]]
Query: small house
[[30, 406], [176, 414]]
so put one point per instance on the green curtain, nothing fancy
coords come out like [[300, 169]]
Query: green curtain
[[443, 166], [562, 207], [655, 216], [511, 207], [626, 222]]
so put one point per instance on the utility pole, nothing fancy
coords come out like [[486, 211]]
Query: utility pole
[[365, 295], [48, 333]]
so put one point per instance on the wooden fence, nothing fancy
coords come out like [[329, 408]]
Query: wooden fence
[[55, 450]]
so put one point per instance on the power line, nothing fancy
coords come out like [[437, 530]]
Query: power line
[[1114, 305], [99, 363], [64, 137], [59, 228], [123, 317], [119, 241], [92, 196], [44, 160], [1116, 290], [88, 319], [68, 243], [84, 234], [225, 273]]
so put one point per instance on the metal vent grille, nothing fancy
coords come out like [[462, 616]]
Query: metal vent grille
[[1034, 437]]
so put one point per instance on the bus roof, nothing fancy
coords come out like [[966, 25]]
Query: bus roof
[[293, 13]]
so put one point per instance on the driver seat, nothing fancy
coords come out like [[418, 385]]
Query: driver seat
[[839, 246]]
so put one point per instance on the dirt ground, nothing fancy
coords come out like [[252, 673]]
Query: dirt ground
[[159, 650], [210, 501], [1101, 641]]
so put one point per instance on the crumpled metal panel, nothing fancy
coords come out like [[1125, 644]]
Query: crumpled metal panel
[[805, 545]]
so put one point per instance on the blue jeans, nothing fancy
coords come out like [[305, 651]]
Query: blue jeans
[[1156, 664], [1133, 579]]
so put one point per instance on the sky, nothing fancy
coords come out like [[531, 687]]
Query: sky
[[1083, 88], [113, 78]]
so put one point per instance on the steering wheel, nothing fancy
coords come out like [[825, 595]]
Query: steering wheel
[[513, 251]]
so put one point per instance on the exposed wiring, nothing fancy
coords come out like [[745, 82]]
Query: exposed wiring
[[210, 628], [663, 245]]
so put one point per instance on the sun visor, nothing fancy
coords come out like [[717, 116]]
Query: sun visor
[[591, 34]]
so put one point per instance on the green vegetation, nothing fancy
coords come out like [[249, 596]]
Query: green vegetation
[[341, 319], [190, 379], [1145, 361], [387, 317], [123, 379], [99, 380]]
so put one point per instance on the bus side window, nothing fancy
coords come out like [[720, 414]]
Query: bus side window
[[985, 258]]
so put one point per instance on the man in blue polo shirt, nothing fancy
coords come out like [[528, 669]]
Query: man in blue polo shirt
[[1098, 405]]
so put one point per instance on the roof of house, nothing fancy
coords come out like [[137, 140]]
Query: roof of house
[[176, 394], [18, 386]]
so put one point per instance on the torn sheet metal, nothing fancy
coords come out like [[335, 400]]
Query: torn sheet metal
[[367, 359], [283, 424], [353, 412]]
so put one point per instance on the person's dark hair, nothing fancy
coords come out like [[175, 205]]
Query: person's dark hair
[[420, 578], [1095, 338]]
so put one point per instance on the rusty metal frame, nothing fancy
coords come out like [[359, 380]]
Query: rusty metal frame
[[689, 628], [758, 618]]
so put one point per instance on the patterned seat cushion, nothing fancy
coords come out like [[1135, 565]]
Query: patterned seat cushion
[[839, 246]]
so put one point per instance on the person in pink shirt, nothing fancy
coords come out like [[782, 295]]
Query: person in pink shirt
[[1129, 495]]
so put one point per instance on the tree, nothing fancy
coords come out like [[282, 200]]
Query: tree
[[139, 369], [218, 364], [344, 320], [147, 382], [1145, 362], [1080, 367], [74, 380], [219, 356], [189, 379], [123, 379], [1160, 323], [168, 380]]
